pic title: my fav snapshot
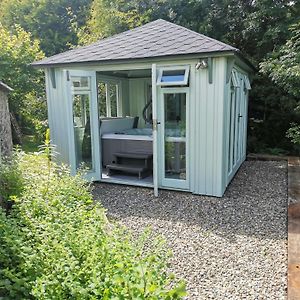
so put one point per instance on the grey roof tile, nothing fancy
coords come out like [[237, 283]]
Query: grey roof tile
[[155, 39]]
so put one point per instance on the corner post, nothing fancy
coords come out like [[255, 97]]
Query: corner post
[[155, 136]]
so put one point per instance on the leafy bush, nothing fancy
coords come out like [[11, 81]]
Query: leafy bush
[[11, 183], [294, 134], [58, 244]]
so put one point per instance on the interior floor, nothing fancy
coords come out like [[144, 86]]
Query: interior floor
[[126, 177]]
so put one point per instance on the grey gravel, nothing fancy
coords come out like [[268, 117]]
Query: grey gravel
[[233, 247]]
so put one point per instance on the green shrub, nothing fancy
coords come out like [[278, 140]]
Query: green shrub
[[11, 182], [58, 244]]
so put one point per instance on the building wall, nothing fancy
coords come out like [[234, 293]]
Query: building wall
[[5, 126], [57, 114], [138, 89], [231, 166], [207, 117]]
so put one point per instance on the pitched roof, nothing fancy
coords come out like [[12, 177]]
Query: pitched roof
[[5, 87], [155, 39]]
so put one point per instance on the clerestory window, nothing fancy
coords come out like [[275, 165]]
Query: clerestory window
[[168, 76]]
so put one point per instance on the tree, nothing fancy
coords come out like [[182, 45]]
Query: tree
[[53, 22], [284, 69], [17, 51]]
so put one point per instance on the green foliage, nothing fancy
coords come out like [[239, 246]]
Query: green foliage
[[58, 244], [53, 22], [29, 144], [111, 17], [27, 101], [284, 65], [11, 183], [293, 133]]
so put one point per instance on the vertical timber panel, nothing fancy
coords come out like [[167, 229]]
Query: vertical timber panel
[[208, 132]]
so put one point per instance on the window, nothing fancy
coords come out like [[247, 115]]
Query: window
[[173, 76], [81, 83], [109, 103], [102, 99], [82, 130], [235, 79], [81, 98], [247, 82]]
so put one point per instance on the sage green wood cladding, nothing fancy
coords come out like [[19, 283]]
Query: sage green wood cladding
[[212, 140]]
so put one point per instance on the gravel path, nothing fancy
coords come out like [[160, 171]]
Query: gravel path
[[225, 248]]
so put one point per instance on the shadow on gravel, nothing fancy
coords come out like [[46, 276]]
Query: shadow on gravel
[[255, 203]]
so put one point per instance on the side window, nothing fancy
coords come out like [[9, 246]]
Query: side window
[[81, 101], [109, 102]]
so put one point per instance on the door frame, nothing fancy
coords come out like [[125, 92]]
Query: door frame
[[168, 182], [94, 175]]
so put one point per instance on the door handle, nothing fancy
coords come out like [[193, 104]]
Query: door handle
[[155, 123]]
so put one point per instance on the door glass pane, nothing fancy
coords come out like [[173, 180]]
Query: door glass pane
[[113, 99], [82, 131], [175, 135], [102, 99]]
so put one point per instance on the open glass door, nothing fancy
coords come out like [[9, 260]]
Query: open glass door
[[173, 135], [84, 129]]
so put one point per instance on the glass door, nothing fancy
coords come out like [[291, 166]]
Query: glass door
[[174, 142], [84, 131]]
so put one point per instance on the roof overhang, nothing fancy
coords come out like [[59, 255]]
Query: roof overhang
[[145, 60]]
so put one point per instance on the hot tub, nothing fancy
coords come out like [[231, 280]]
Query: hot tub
[[129, 140]]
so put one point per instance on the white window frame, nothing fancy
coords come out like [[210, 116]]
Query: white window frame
[[235, 79], [81, 88], [116, 83], [247, 82], [173, 68]]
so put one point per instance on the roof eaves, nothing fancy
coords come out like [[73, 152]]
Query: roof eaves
[[131, 60], [246, 61]]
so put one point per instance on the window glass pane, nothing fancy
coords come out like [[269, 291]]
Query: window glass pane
[[175, 160], [81, 82], [175, 133], [82, 131], [175, 115], [113, 100], [102, 99], [172, 75]]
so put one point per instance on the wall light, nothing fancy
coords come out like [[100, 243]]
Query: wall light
[[202, 64]]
